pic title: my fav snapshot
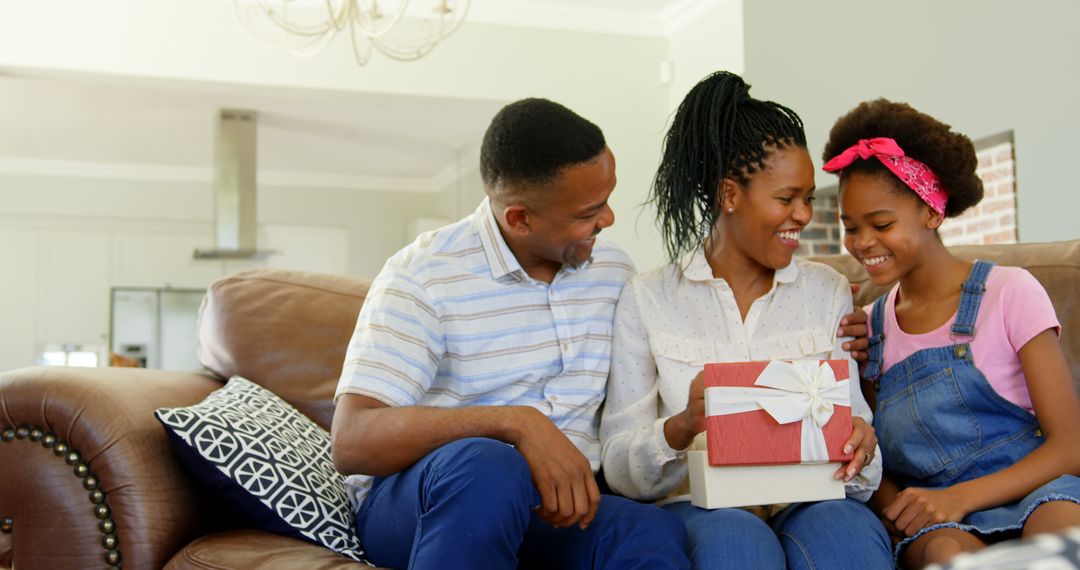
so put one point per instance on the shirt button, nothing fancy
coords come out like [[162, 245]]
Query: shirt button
[[960, 351], [566, 347], [553, 398]]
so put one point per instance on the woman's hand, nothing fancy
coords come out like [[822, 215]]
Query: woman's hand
[[915, 509], [861, 445], [681, 429]]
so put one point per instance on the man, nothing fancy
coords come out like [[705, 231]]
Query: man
[[473, 381]]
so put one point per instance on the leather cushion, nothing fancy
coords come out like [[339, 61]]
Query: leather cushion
[[284, 330], [256, 549]]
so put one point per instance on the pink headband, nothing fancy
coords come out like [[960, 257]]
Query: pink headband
[[911, 172]]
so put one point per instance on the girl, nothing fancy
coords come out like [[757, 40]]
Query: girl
[[733, 192], [974, 401]]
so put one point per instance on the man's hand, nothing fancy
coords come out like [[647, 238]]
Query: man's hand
[[853, 324], [914, 508], [861, 444], [561, 474]]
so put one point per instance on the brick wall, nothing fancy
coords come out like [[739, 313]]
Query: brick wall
[[822, 236], [993, 220]]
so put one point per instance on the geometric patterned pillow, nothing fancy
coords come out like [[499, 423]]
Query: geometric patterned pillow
[[269, 460]]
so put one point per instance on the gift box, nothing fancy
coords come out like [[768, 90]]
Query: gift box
[[775, 433]]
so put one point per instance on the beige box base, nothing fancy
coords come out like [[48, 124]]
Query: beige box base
[[751, 485]]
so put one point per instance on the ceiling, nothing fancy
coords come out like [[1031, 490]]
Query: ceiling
[[644, 17], [98, 126], [83, 125]]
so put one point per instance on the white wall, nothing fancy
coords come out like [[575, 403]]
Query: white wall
[[710, 42], [374, 221], [66, 242], [983, 66], [461, 196]]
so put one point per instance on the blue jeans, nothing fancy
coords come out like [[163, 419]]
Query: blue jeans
[[823, 535], [470, 504]]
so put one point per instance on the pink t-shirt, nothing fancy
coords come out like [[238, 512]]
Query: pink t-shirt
[[1014, 310]]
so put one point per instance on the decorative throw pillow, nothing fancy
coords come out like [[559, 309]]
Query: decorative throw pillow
[[269, 460]]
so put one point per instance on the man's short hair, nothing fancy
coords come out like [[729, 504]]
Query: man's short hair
[[530, 140]]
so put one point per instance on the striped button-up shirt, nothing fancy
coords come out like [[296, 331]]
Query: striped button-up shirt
[[453, 320]]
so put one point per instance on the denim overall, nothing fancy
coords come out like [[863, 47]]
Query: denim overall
[[939, 422]]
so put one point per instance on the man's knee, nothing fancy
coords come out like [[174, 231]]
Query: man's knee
[[645, 522], [668, 527], [481, 469]]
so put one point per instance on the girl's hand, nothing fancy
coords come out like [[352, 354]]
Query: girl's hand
[[861, 445], [854, 324], [680, 429], [915, 509]]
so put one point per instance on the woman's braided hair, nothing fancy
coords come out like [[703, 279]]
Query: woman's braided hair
[[719, 131]]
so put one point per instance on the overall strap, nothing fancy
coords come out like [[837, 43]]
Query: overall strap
[[970, 297], [877, 347]]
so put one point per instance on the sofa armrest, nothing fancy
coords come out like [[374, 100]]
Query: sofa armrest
[[89, 477]]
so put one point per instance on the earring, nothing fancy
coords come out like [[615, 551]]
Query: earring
[[731, 210]]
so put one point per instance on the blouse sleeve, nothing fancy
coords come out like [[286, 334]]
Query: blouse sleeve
[[865, 482], [637, 460]]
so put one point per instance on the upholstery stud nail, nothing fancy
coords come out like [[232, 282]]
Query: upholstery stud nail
[[90, 482], [101, 511], [81, 470], [7, 435], [60, 448], [107, 526], [72, 457], [35, 434], [22, 432], [49, 440], [112, 557], [6, 525], [97, 497], [109, 541]]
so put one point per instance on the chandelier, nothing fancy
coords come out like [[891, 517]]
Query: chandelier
[[308, 26]]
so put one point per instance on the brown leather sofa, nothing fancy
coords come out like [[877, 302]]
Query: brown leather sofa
[[88, 478]]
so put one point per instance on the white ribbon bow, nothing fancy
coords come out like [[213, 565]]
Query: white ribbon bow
[[803, 390]]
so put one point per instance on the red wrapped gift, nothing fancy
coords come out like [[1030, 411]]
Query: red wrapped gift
[[760, 413]]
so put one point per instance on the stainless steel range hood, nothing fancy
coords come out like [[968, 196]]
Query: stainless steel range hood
[[234, 188]]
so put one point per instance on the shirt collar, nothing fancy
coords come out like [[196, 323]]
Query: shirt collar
[[698, 269], [499, 257]]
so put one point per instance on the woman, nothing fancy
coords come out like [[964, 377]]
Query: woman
[[733, 192]]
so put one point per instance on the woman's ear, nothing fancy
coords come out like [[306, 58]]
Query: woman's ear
[[728, 198]]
